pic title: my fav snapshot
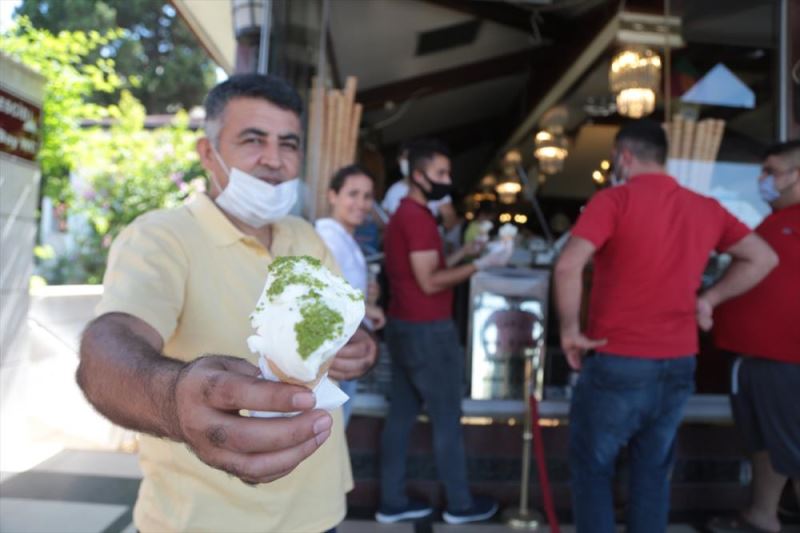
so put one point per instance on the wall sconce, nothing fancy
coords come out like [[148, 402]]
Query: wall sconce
[[247, 17], [634, 77], [550, 149]]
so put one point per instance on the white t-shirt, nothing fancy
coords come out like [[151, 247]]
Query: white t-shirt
[[346, 252], [399, 190]]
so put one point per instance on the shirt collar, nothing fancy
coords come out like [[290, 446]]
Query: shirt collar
[[415, 203], [222, 231], [655, 178]]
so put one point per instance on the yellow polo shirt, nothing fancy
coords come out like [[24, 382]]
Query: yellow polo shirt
[[195, 278]]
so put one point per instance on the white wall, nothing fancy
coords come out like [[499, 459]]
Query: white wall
[[19, 192]]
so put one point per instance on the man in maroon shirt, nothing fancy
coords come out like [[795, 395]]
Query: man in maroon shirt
[[650, 240], [427, 359], [762, 327]]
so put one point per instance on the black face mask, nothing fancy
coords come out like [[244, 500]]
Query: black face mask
[[438, 190]]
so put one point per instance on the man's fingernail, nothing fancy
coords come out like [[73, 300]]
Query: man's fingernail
[[322, 437], [323, 423], [303, 400]]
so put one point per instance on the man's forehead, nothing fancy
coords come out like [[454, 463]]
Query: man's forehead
[[242, 114], [776, 162]]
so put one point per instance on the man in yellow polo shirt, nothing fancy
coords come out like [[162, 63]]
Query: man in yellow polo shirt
[[180, 285]]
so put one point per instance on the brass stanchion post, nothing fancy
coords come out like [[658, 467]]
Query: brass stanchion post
[[525, 518]]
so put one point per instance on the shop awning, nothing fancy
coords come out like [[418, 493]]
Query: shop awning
[[211, 21]]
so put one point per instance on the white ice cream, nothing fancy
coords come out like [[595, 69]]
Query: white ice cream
[[304, 316]]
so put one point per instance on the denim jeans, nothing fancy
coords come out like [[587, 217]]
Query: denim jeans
[[427, 368], [621, 401]]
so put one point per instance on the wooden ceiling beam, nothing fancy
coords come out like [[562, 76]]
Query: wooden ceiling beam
[[444, 80], [505, 14]]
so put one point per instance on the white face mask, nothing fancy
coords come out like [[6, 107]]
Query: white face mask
[[253, 201]]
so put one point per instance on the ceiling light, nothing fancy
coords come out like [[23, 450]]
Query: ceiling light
[[634, 77], [550, 149]]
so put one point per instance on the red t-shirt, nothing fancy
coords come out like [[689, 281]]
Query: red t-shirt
[[653, 240], [765, 321], [412, 228]]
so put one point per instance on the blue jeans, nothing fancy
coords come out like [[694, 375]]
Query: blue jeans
[[629, 401], [427, 367]]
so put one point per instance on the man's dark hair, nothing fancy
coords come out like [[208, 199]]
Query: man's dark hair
[[338, 180], [273, 89], [422, 151], [789, 149], [645, 139]]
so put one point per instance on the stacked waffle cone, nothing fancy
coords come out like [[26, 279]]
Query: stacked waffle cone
[[693, 147], [334, 118]]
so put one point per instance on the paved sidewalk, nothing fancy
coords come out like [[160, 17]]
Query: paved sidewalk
[[93, 492]]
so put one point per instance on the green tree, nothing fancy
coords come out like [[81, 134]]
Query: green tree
[[160, 58], [125, 171], [121, 171], [71, 81]]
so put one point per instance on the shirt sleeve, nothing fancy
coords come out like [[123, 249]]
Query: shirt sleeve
[[598, 221], [732, 229], [146, 276]]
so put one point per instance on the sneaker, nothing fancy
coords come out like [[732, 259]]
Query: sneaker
[[412, 511], [483, 508]]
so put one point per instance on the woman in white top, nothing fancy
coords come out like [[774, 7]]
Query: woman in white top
[[350, 195]]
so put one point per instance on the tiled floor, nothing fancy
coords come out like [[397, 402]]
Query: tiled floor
[[92, 492]]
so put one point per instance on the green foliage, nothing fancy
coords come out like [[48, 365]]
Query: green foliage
[[161, 61], [129, 170], [123, 170], [70, 83]]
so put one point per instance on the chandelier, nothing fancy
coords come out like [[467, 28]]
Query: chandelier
[[634, 77], [550, 149]]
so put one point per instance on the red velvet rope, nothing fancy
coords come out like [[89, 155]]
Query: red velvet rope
[[541, 467]]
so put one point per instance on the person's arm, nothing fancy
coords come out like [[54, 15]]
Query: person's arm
[[125, 377], [568, 279], [432, 279], [752, 260], [468, 250], [376, 315]]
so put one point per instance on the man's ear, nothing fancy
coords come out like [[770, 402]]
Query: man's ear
[[205, 152]]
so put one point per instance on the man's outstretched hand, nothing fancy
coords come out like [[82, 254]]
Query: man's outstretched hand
[[207, 397]]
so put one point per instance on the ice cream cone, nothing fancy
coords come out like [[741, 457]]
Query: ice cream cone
[[283, 377]]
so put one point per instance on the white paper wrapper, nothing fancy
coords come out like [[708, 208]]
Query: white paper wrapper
[[329, 396]]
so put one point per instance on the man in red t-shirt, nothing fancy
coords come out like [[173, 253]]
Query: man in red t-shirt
[[649, 239], [762, 327], [427, 359]]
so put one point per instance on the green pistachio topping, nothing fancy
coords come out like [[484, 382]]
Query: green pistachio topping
[[320, 323], [283, 272]]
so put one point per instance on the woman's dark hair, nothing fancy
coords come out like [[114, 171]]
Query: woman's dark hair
[[338, 179]]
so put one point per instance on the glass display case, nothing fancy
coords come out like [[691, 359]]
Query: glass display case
[[507, 325]]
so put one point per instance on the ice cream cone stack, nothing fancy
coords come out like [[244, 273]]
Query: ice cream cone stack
[[334, 121], [693, 148]]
